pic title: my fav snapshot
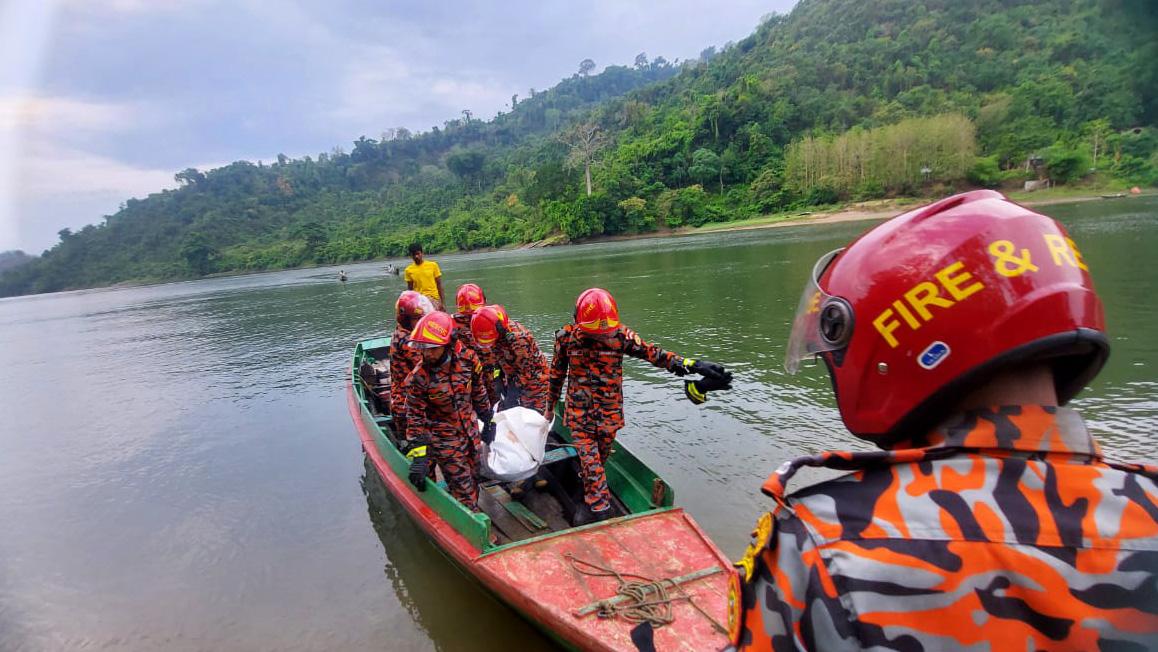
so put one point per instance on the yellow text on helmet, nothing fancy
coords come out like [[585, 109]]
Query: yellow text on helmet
[[913, 308]]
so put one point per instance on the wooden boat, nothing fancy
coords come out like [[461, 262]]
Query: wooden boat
[[562, 578]]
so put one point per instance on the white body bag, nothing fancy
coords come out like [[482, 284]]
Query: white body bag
[[519, 445]]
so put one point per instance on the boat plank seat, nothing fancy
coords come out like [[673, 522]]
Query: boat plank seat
[[503, 523], [544, 505], [531, 522], [559, 454]]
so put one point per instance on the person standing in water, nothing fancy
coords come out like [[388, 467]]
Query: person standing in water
[[424, 276]]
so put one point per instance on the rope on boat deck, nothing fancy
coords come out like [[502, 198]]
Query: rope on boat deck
[[638, 601]]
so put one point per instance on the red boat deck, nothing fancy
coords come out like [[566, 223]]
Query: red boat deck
[[538, 578]]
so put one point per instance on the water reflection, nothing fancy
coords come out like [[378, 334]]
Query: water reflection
[[453, 610]]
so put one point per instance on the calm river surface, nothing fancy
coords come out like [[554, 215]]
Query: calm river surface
[[178, 469]]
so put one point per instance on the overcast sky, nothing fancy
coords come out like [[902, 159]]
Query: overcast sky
[[102, 100]]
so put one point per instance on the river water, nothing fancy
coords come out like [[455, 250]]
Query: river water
[[178, 469]]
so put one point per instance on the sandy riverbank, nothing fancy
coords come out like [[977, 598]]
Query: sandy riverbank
[[875, 210]]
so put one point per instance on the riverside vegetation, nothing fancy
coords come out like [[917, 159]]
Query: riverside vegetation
[[838, 100]]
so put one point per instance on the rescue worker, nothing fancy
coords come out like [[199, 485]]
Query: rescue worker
[[953, 335], [589, 356], [468, 299], [408, 309], [444, 395], [522, 366]]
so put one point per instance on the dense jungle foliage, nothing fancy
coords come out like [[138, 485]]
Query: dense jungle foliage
[[839, 100]]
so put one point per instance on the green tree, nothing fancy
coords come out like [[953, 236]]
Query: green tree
[[313, 234], [198, 252], [985, 172], [1066, 164], [635, 213], [468, 164], [706, 167], [189, 177]]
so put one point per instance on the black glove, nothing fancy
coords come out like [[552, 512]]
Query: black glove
[[697, 390], [705, 368], [488, 432], [419, 465]]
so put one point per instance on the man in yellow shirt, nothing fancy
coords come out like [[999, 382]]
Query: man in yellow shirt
[[424, 276]]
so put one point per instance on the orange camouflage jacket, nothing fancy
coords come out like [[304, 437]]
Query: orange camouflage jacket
[[520, 360], [593, 370], [445, 400], [1004, 529], [486, 356], [402, 361]]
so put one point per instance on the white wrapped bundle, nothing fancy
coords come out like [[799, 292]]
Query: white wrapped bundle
[[519, 445]]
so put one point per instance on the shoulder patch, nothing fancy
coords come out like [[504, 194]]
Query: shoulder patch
[[630, 335], [761, 537]]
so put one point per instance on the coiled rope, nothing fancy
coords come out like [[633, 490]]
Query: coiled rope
[[636, 601]]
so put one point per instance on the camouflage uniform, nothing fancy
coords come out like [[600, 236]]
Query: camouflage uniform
[[594, 412], [523, 365], [441, 406], [402, 360], [463, 334], [1004, 529]]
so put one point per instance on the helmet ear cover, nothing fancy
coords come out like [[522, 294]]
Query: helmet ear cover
[[836, 326]]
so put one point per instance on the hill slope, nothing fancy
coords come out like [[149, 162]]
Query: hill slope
[[761, 126]]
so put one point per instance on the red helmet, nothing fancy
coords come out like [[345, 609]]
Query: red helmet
[[596, 312], [924, 308], [469, 298], [412, 305], [432, 330], [484, 324]]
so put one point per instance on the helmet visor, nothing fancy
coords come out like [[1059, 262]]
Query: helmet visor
[[425, 304], [806, 339]]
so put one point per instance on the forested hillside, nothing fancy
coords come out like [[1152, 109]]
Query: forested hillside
[[841, 99]]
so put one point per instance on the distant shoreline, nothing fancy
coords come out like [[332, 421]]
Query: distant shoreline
[[871, 211], [857, 212]]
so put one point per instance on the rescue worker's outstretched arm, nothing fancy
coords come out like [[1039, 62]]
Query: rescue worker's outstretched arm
[[715, 376], [417, 426], [637, 347], [558, 372]]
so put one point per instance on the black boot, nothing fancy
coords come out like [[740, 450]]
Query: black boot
[[584, 515]]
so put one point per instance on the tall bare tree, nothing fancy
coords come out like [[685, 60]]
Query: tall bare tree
[[585, 141]]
